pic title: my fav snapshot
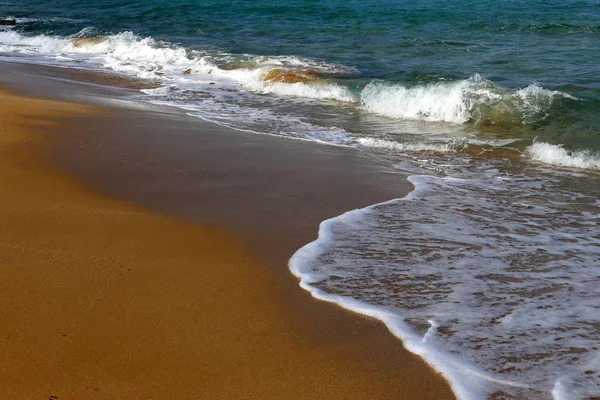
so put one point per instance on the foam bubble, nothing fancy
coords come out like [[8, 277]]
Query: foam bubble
[[318, 90], [121, 52], [490, 278], [557, 155], [474, 100], [147, 58], [305, 85], [433, 102], [396, 146]]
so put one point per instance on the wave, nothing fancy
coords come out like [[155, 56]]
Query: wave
[[396, 146], [296, 83], [288, 76], [121, 52], [148, 58], [473, 100], [476, 100], [557, 155], [473, 276], [465, 380], [433, 102]]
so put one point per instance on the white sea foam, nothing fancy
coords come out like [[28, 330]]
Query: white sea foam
[[251, 79], [397, 146], [254, 79], [490, 278], [124, 52], [147, 58], [434, 102], [557, 155], [260, 121], [313, 91], [534, 101], [466, 381], [470, 100]]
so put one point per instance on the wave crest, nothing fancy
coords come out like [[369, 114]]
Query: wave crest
[[146, 57], [476, 100], [557, 155]]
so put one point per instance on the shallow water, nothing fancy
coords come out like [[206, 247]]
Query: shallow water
[[495, 273]]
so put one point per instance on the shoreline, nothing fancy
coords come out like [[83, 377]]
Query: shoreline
[[352, 352]]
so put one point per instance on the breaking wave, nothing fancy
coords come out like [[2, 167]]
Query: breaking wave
[[476, 100], [148, 58], [557, 155], [473, 100]]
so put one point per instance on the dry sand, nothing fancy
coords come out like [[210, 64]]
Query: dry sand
[[102, 299]]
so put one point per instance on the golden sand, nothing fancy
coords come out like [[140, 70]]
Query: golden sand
[[103, 300]]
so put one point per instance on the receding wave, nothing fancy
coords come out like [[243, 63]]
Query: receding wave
[[397, 146], [475, 100], [487, 277], [557, 155]]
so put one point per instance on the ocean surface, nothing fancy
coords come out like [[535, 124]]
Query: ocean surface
[[489, 268]]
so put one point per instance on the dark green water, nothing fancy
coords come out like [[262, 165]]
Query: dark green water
[[554, 45]]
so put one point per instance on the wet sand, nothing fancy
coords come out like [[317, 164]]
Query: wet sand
[[108, 299]]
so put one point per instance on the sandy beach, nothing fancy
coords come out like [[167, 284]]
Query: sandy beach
[[141, 265]]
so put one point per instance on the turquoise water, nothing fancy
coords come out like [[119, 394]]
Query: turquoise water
[[552, 42], [489, 268], [512, 44]]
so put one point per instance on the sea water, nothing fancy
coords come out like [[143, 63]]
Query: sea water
[[488, 269]]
